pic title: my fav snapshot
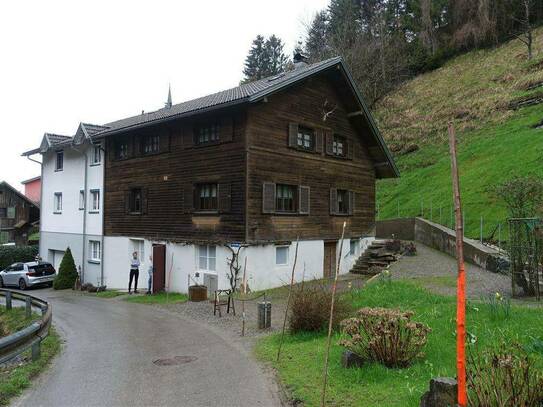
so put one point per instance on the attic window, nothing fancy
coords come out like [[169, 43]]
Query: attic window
[[59, 163]]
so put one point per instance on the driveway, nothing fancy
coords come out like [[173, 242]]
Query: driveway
[[109, 353]]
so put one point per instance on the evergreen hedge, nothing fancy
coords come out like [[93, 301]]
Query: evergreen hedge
[[16, 254], [67, 273]]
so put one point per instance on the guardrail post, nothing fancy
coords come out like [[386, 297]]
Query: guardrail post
[[8, 300], [28, 307], [36, 350]]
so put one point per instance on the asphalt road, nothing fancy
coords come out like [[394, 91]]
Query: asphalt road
[[108, 355]]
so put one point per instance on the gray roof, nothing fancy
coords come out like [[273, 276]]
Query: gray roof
[[56, 138]]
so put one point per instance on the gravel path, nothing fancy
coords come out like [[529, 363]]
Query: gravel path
[[437, 271]]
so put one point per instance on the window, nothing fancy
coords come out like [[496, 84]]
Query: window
[[150, 144], [81, 200], [281, 255], [285, 198], [134, 200], [59, 163], [339, 146], [96, 154], [206, 197], [3, 212], [11, 212], [306, 138], [95, 200], [353, 247], [207, 134], [58, 202], [95, 253], [121, 149], [138, 246], [343, 201], [4, 237], [207, 257]]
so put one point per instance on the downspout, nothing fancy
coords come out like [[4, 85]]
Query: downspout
[[83, 251], [41, 197]]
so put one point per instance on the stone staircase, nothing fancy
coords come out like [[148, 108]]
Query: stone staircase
[[376, 257]]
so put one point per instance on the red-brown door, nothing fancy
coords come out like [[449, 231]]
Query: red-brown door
[[329, 268], [159, 263]]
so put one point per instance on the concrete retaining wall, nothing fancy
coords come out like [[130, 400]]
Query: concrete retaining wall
[[435, 236]]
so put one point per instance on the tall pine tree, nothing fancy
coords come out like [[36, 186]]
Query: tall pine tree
[[316, 43], [275, 57], [266, 57]]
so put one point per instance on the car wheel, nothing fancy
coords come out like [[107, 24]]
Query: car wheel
[[22, 284]]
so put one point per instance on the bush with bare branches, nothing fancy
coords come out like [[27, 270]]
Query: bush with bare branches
[[387, 336]]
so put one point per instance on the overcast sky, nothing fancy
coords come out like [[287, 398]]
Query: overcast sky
[[65, 62]]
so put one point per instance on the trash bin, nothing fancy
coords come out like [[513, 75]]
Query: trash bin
[[264, 315]]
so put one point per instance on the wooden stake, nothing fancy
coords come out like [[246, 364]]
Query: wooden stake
[[288, 300], [243, 301], [334, 286], [461, 278]]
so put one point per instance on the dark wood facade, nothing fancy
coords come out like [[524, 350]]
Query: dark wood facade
[[17, 214], [256, 147]]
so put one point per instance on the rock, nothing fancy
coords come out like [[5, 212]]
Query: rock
[[443, 392], [350, 359]]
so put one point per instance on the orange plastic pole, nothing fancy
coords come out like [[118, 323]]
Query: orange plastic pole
[[461, 278]]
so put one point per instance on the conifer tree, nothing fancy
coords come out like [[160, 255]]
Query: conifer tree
[[67, 273]]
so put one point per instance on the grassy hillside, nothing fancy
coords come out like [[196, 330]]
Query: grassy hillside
[[476, 91]]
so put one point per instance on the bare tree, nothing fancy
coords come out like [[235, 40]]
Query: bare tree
[[526, 34], [234, 266]]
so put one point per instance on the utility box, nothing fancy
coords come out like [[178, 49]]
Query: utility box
[[197, 293], [264, 315]]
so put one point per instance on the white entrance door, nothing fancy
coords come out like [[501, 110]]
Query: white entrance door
[[57, 258]]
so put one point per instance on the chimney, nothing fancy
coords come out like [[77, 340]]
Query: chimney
[[300, 60]]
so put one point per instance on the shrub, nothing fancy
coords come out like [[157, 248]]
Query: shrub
[[503, 377], [67, 273], [387, 336], [310, 308], [15, 254]]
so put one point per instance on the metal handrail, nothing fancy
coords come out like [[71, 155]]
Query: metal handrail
[[31, 336]]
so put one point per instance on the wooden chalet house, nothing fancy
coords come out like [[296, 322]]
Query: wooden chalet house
[[289, 157], [18, 215]]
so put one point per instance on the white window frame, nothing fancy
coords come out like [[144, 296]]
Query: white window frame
[[279, 248], [57, 203], [207, 258], [81, 199], [94, 201], [138, 245], [96, 158], [95, 251]]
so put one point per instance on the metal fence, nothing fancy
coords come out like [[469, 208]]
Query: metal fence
[[31, 336]]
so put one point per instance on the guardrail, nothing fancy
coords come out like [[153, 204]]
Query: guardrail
[[31, 336]]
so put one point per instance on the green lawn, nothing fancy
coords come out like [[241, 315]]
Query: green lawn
[[300, 368], [161, 298], [14, 380]]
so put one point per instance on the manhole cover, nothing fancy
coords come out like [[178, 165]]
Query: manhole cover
[[177, 360]]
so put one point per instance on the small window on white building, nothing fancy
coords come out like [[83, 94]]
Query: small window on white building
[[138, 246], [59, 161], [58, 202], [95, 252], [95, 200], [353, 247], [96, 154], [281, 255], [81, 199], [207, 257]]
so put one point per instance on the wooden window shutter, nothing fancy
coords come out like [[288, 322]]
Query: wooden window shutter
[[350, 149], [225, 196], [127, 202], [268, 197], [304, 196], [329, 140], [319, 134], [144, 200], [293, 135], [333, 201], [188, 198], [227, 129], [351, 202]]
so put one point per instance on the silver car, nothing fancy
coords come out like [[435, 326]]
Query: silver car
[[29, 274]]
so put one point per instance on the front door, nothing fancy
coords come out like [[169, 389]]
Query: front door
[[329, 259], [159, 264]]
